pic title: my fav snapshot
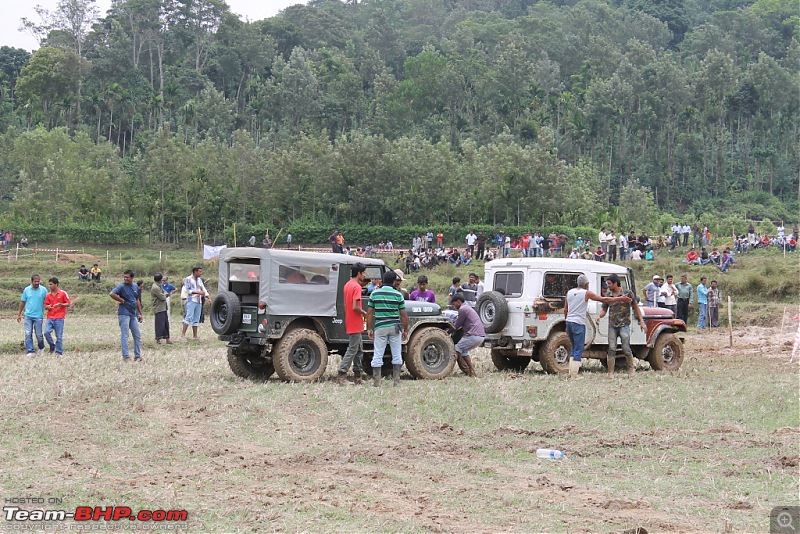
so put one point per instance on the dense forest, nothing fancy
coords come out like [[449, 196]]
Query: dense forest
[[173, 115]]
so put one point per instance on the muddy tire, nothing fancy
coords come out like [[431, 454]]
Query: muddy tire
[[226, 313], [502, 362], [300, 356], [430, 354], [667, 353], [554, 354], [492, 310], [247, 362]]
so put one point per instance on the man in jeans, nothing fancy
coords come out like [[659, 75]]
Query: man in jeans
[[353, 325], [129, 315], [56, 303], [194, 302], [714, 298], [702, 303], [388, 325], [474, 334], [575, 306], [619, 323], [32, 302]]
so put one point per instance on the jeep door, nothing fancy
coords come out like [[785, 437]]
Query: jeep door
[[512, 284]]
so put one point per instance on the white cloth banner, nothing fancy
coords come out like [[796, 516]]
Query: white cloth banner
[[212, 252]]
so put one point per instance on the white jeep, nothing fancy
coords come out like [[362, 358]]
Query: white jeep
[[522, 311]]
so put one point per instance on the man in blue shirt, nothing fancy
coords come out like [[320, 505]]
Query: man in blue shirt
[[129, 315], [32, 302], [702, 303]]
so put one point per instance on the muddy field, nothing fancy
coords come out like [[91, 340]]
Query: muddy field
[[710, 448]]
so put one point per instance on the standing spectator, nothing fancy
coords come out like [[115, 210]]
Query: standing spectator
[[506, 246], [471, 239], [32, 302], [500, 241], [422, 293], [267, 242], [340, 242], [619, 323], [9, 237], [481, 241], [714, 297], [56, 303], [470, 289], [252, 241], [97, 273], [334, 241], [575, 306], [83, 274], [702, 303], [473, 333], [611, 239], [429, 239], [160, 309], [129, 315], [170, 290], [652, 291], [525, 244], [623, 246], [545, 245], [195, 291], [387, 324], [289, 240], [684, 298], [686, 230], [676, 236], [354, 315], [670, 293], [440, 239]]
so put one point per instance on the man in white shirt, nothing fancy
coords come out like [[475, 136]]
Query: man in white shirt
[[686, 230], [601, 239], [195, 290]]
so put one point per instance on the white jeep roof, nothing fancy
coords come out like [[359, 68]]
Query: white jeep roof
[[566, 264]]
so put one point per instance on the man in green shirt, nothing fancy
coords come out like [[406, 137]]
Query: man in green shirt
[[684, 298], [387, 324]]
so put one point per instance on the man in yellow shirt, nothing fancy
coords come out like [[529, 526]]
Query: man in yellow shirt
[[96, 273]]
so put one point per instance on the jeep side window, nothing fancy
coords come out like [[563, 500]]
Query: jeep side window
[[303, 275], [604, 286], [556, 285], [508, 284]]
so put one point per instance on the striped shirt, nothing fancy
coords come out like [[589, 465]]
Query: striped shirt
[[386, 303]]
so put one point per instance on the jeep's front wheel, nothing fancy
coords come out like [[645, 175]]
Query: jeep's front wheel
[[226, 313], [667, 353], [430, 354], [554, 355], [300, 356], [247, 362], [505, 362]]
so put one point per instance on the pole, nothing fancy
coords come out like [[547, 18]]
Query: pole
[[159, 256], [276, 238], [199, 239], [730, 323], [56, 254], [234, 234], [106, 257], [783, 319]]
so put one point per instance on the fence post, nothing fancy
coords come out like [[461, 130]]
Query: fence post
[[56, 254]]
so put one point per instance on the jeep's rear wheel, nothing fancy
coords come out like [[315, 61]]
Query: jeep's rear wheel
[[667, 353], [492, 309], [247, 362], [554, 355], [226, 313], [503, 361], [429, 354], [300, 356]]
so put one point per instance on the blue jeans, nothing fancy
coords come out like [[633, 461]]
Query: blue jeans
[[126, 322], [577, 336], [702, 307], [193, 310], [624, 334], [33, 324], [383, 337], [57, 326]]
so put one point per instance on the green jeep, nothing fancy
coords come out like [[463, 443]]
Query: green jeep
[[282, 311]]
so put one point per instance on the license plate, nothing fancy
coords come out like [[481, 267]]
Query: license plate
[[247, 318]]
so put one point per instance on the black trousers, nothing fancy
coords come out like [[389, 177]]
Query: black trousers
[[162, 325], [683, 310], [481, 251]]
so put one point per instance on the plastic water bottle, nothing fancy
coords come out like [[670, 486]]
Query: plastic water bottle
[[551, 454]]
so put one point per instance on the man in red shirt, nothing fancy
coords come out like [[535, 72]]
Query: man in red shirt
[[354, 315], [55, 304]]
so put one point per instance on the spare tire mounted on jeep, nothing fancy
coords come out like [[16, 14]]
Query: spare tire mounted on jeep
[[226, 313], [492, 309]]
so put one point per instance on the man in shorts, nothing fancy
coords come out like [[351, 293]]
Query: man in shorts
[[474, 334], [194, 302]]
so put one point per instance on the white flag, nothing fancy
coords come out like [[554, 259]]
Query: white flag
[[212, 252]]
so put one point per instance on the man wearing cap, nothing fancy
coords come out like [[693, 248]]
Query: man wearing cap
[[399, 282], [575, 307], [652, 290]]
